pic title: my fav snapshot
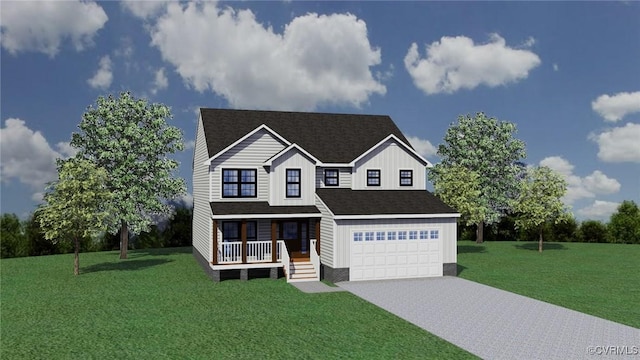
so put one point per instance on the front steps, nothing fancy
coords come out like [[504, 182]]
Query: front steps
[[301, 270]]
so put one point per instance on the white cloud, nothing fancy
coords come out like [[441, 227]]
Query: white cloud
[[599, 209], [42, 26], [189, 144], [455, 63], [620, 144], [27, 156], [529, 42], [597, 183], [187, 199], [614, 108], [144, 9], [160, 82], [556, 67], [103, 76], [422, 146], [317, 59]]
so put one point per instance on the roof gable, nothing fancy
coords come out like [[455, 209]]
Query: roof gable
[[295, 147], [331, 138], [245, 137], [408, 148]]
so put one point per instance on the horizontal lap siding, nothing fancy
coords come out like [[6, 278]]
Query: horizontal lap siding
[[201, 210], [327, 242], [249, 154], [344, 177], [345, 227], [389, 158]]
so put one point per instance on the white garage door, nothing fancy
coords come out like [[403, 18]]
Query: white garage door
[[395, 254]]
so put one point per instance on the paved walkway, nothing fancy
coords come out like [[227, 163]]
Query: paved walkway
[[497, 324], [317, 287]]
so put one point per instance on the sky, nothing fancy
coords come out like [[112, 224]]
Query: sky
[[566, 73]]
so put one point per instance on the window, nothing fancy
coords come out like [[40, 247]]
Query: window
[[239, 183], [331, 177], [373, 177], [357, 236], [406, 177], [232, 231], [402, 235], [293, 182], [434, 234], [413, 235], [368, 236], [391, 235], [424, 234], [380, 235]]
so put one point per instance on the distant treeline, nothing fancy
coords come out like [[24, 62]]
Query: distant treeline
[[25, 238]]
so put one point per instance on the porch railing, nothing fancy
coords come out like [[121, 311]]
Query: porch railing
[[315, 258], [286, 261], [257, 251]]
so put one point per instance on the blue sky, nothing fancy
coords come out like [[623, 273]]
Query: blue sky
[[566, 73]]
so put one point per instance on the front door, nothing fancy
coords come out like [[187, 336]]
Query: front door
[[296, 235]]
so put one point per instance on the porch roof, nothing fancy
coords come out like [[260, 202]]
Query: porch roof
[[227, 208], [383, 202]]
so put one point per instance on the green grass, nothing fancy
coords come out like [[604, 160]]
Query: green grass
[[160, 304], [598, 279]]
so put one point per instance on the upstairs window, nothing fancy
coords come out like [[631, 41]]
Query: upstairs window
[[293, 182], [239, 183], [406, 177], [373, 177], [331, 177]]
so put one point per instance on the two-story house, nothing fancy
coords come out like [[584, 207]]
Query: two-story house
[[335, 196]]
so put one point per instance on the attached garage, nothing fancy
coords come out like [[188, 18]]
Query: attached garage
[[395, 254]]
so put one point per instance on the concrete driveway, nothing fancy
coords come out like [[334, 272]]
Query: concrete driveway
[[497, 324]]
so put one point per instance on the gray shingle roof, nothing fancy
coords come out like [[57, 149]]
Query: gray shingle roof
[[332, 138], [258, 207], [382, 202]]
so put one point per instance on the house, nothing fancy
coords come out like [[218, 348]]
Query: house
[[314, 195]]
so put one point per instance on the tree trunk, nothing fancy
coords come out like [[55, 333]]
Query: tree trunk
[[124, 240], [480, 232], [540, 241], [76, 258]]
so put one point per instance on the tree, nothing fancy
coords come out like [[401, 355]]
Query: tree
[[130, 139], [178, 232], [593, 231], [14, 241], [624, 225], [539, 200], [76, 206], [459, 188], [485, 146]]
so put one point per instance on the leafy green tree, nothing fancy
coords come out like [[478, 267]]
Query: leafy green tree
[[624, 225], [593, 231], [38, 244], [13, 241], [564, 231], [76, 205], [539, 200], [130, 139], [179, 229], [485, 146], [459, 188]]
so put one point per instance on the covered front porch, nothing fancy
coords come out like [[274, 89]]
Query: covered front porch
[[289, 241]]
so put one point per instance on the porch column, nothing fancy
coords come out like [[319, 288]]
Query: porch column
[[274, 247], [214, 250], [318, 236], [243, 237]]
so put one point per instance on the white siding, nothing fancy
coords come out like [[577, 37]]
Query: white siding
[[201, 210], [389, 158], [345, 227], [249, 154], [449, 240], [327, 241], [344, 177], [292, 159]]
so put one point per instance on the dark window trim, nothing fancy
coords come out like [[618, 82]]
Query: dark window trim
[[370, 172], [299, 183], [410, 177], [337, 177], [239, 183], [225, 238]]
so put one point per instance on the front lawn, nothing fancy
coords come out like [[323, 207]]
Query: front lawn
[[160, 304], [598, 279]]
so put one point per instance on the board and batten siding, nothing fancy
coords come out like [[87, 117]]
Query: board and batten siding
[[344, 228], [389, 158], [327, 241], [248, 154], [344, 177], [292, 159], [201, 209]]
